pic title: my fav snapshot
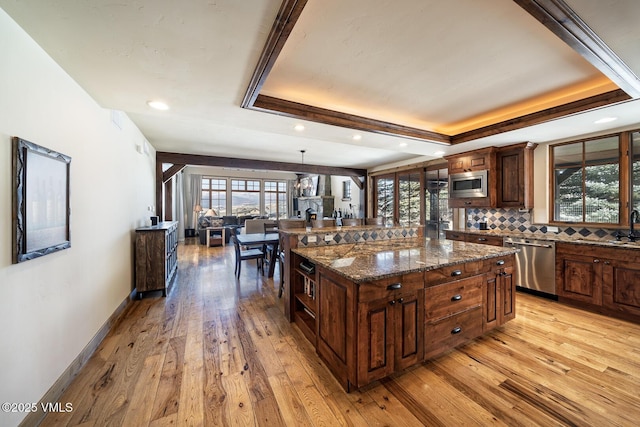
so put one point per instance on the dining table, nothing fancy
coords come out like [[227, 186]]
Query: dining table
[[253, 239]]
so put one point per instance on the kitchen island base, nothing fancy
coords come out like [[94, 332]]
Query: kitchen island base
[[367, 330]]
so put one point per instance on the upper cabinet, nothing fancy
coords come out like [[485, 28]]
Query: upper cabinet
[[515, 176], [472, 161], [509, 181]]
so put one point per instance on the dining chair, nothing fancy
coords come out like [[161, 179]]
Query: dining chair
[[350, 222], [374, 221], [247, 254], [323, 223], [269, 254]]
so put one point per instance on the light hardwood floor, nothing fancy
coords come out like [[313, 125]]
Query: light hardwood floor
[[217, 351]]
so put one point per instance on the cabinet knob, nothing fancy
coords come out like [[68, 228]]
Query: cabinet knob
[[400, 300], [456, 297], [607, 263], [392, 302], [456, 330]]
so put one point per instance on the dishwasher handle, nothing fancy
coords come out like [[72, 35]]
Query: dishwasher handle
[[535, 245]]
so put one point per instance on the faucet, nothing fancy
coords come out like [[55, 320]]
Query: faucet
[[633, 218]]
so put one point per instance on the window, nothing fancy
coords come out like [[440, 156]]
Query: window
[[635, 170], [245, 197], [275, 199], [346, 191], [586, 181], [384, 194], [214, 195], [409, 198]]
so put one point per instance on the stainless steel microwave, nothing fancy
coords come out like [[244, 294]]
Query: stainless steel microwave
[[468, 184]]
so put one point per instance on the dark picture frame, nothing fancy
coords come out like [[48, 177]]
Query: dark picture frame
[[41, 206]]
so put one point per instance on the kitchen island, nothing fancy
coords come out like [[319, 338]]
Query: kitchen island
[[375, 308]]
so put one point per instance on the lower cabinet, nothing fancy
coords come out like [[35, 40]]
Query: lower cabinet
[[606, 281], [499, 300], [156, 257], [368, 331], [390, 334]]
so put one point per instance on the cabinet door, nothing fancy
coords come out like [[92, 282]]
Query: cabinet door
[[621, 286], [409, 329], [511, 178], [375, 340], [491, 310], [580, 278], [508, 294]]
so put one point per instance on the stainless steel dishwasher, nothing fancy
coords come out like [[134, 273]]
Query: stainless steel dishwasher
[[536, 265]]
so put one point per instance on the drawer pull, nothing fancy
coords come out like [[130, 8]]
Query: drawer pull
[[456, 330], [394, 286], [481, 239], [456, 297], [501, 262], [455, 273]]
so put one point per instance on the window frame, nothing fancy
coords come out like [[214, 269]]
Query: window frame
[[624, 180]]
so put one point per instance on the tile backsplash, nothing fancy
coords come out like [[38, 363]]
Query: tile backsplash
[[514, 220]]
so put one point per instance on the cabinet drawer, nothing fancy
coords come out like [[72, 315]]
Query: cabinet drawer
[[485, 240], [455, 272], [452, 331], [450, 298], [384, 288]]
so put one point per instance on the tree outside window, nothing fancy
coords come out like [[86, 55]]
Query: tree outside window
[[586, 177]]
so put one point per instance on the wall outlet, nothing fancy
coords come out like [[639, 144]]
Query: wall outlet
[[312, 239], [470, 217], [328, 237], [552, 229]]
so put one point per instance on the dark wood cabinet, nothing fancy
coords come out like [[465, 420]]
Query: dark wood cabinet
[[499, 300], [485, 239], [390, 333], [156, 258], [453, 314], [510, 176], [607, 280], [471, 161], [369, 330], [515, 176]]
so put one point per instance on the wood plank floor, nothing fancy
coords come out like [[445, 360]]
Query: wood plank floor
[[218, 352]]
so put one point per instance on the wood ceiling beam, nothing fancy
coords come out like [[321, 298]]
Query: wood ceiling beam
[[231, 162], [290, 11], [282, 107], [564, 110], [169, 173], [558, 17]]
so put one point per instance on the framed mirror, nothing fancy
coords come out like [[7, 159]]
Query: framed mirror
[[40, 201]]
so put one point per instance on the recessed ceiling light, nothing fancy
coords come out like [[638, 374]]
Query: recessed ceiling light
[[158, 105], [605, 120], [403, 144], [299, 128], [439, 153], [357, 137]]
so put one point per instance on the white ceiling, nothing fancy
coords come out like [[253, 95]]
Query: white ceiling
[[442, 66]]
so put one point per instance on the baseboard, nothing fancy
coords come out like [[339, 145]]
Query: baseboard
[[55, 391]]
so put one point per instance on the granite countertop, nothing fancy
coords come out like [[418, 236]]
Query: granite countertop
[[361, 262], [607, 241]]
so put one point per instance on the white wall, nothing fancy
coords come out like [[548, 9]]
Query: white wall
[[336, 190], [52, 306]]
